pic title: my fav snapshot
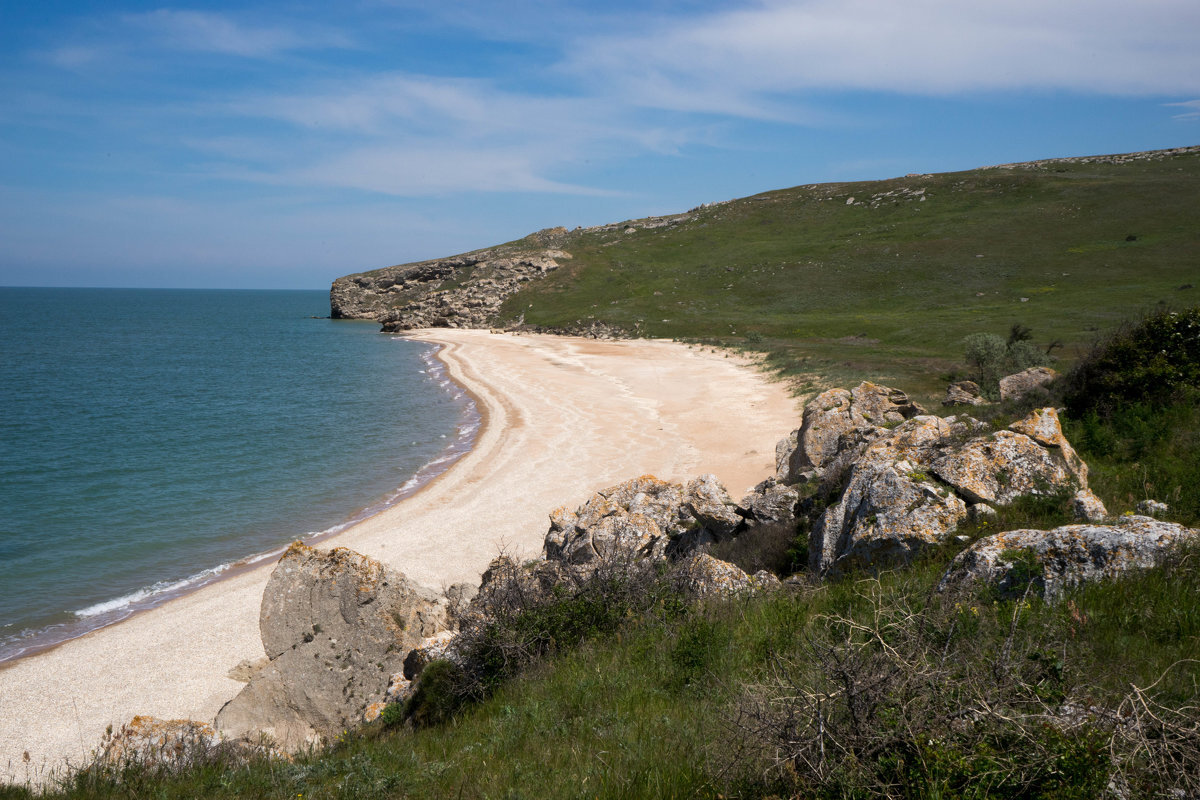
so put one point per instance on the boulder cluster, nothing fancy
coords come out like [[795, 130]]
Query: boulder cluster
[[869, 474]]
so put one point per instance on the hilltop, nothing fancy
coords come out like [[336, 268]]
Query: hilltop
[[877, 279]]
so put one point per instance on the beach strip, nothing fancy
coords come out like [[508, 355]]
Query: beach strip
[[562, 417]]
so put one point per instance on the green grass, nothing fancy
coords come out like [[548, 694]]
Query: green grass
[[889, 292]]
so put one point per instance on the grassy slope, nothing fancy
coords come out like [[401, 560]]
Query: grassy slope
[[652, 711], [815, 280]]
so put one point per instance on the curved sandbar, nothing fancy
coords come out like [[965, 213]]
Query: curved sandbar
[[562, 418]]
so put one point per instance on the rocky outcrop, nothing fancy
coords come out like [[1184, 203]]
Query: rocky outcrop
[[336, 626], [159, 743], [1087, 507], [643, 517], [836, 426], [464, 291], [964, 393], [1027, 383], [913, 484], [1050, 561]]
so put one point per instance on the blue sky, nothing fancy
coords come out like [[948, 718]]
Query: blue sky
[[282, 144]]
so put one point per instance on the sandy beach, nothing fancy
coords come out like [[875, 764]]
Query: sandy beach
[[562, 418]]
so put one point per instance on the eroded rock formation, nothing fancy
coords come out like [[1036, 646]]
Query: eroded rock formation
[[336, 626], [1051, 561]]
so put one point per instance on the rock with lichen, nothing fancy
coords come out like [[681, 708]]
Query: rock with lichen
[[1050, 561]]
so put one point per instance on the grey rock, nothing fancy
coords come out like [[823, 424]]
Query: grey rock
[[1152, 508], [770, 501], [335, 625], [911, 486], [1051, 561], [964, 393], [642, 518], [836, 423], [1087, 507], [464, 291], [1028, 382]]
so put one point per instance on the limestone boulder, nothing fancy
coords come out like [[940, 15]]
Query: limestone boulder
[[1027, 383], [702, 575], [159, 743], [999, 468], [642, 518], [1051, 561], [1087, 507], [335, 626], [770, 501], [836, 422], [915, 483], [964, 393]]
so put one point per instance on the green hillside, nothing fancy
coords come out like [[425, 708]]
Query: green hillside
[[1066, 248]]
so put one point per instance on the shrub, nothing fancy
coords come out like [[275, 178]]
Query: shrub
[[991, 357], [1155, 361]]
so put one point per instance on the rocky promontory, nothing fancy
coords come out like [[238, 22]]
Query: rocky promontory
[[463, 291]]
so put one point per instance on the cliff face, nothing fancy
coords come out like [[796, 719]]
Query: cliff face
[[463, 291]]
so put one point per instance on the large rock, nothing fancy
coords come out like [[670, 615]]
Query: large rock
[[1029, 382], [642, 518], [964, 393], [335, 625], [770, 501], [838, 422], [1051, 561], [913, 484], [150, 742], [891, 505]]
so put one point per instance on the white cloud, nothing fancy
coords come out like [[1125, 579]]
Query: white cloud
[[728, 61], [1192, 106], [215, 33]]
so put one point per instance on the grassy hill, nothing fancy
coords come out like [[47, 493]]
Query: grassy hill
[[884, 278], [917, 694]]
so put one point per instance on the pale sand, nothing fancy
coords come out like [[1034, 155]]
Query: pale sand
[[564, 417]]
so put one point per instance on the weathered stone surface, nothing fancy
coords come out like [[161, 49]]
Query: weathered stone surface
[[1153, 508], [430, 649], [1052, 560], [149, 741], [1087, 507], [963, 393], [770, 501], [1043, 426], [912, 485], [838, 422], [1001, 467], [335, 625], [1025, 383], [464, 291], [642, 518], [705, 576]]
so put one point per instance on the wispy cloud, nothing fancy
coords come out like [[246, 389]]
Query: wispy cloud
[[726, 62], [1192, 106], [216, 33]]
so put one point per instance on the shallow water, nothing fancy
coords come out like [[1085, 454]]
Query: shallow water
[[151, 438]]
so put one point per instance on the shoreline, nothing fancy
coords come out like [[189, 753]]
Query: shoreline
[[559, 419], [473, 422]]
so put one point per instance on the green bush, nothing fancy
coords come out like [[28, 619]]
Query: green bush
[[991, 357], [1155, 361]]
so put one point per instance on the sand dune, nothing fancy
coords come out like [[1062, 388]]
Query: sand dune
[[563, 417]]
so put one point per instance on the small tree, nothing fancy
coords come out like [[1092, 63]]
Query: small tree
[[991, 357]]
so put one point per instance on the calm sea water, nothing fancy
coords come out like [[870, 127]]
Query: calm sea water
[[151, 438]]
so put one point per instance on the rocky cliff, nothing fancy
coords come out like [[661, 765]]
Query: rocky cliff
[[463, 291]]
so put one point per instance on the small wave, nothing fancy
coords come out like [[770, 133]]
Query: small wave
[[151, 592]]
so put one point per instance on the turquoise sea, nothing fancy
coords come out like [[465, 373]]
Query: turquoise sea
[[152, 439]]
